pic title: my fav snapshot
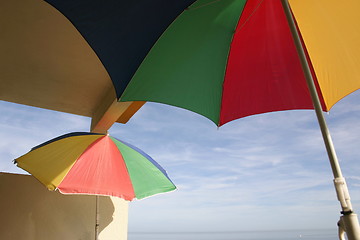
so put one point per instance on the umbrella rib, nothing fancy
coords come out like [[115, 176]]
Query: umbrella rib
[[204, 5], [252, 14]]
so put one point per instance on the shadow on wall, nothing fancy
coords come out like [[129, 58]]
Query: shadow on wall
[[29, 211]]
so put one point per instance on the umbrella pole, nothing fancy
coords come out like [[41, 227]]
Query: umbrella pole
[[348, 221], [97, 207], [97, 218]]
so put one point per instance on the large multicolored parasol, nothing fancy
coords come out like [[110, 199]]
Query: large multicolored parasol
[[230, 59]]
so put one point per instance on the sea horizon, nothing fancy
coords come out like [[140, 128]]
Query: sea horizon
[[308, 234], [254, 230]]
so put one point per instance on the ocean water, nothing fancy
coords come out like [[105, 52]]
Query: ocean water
[[244, 235]]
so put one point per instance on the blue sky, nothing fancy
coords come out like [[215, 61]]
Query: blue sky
[[262, 172]]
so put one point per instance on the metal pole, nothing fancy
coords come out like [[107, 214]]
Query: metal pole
[[349, 219], [97, 218]]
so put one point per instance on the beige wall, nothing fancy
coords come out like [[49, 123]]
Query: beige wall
[[30, 212]]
